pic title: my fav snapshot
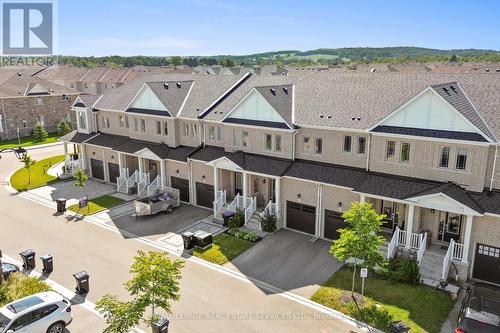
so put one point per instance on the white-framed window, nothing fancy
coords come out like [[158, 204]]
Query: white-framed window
[[277, 143], [121, 121], [165, 128], [268, 142], [361, 145], [444, 157], [136, 124], [185, 129], [158, 127], [318, 146], [244, 142], [236, 137], [220, 133], [306, 144], [390, 151], [461, 159], [126, 122], [194, 129], [39, 101], [105, 122], [143, 125], [211, 132], [41, 120], [347, 143], [82, 120], [405, 152]]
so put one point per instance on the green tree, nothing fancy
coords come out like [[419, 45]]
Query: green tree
[[28, 163], [81, 177], [39, 132], [359, 240], [154, 284], [63, 127], [176, 61], [453, 58]]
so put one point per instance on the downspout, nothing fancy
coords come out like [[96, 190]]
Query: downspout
[[368, 152], [318, 207], [294, 144], [494, 167], [203, 137], [190, 180]]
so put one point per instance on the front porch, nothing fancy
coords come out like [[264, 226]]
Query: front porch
[[421, 230]]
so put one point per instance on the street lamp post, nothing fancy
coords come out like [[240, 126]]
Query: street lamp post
[[20, 152]]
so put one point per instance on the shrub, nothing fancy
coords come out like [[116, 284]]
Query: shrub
[[63, 127], [402, 270], [238, 220], [268, 223], [39, 132], [242, 234], [372, 315], [18, 286]]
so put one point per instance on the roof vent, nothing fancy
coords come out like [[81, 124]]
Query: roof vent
[[497, 70], [353, 118], [165, 85], [321, 115], [19, 74], [372, 70], [208, 72], [178, 84], [454, 89], [273, 91], [285, 90], [359, 118], [487, 69], [329, 116], [446, 90]]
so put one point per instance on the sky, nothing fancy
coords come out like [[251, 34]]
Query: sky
[[214, 27]]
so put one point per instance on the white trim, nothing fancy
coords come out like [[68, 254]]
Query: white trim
[[293, 104], [380, 197], [148, 154], [234, 166], [318, 182], [427, 138], [467, 210], [135, 96], [286, 130], [341, 129], [185, 100]]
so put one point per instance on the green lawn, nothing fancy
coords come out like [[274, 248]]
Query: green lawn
[[28, 141], [424, 308], [224, 248], [97, 205], [38, 174]]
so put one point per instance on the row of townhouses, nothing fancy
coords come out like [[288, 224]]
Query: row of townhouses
[[422, 148]]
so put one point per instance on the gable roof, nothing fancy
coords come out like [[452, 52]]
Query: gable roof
[[280, 100], [88, 100], [171, 94], [18, 84]]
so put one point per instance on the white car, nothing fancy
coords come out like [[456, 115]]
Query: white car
[[46, 312]]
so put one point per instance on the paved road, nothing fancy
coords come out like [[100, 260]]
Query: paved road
[[212, 300]]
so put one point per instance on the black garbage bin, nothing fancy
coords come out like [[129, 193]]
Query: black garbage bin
[[227, 215], [48, 263], [82, 282], [188, 238], [398, 327], [161, 326], [28, 257], [61, 205]]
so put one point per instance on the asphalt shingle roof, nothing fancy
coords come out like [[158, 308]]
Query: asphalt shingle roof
[[431, 133], [76, 137], [172, 97]]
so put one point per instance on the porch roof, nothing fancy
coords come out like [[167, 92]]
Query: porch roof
[[75, 137]]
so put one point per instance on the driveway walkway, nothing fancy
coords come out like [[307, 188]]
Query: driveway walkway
[[288, 260]]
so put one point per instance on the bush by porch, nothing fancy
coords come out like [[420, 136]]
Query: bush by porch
[[37, 174], [423, 308], [224, 248], [97, 205]]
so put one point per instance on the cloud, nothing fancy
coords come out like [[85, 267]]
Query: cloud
[[163, 45]]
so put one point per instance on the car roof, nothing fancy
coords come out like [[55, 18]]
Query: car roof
[[32, 302]]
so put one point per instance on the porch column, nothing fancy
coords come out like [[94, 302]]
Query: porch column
[[216, 182], [409, 225], [141, 164], [362, 198], [468, 233], [83, 156], [163, 175], [277, 192], [120, 161], [245, 187], [65, 150], [105, 166]]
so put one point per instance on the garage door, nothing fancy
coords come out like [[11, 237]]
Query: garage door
[[487, 264], [204, 195], [114, 172], [333, 222], [183, 186], [300, 217], [97, 169]]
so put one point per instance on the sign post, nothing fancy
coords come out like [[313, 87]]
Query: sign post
[[363, 273]]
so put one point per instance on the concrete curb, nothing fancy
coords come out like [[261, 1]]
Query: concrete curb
[[46, 145]]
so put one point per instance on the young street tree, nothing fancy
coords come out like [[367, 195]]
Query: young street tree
[[39, 132], [155, 283], [359, 240], [63, 127], [28, 163]]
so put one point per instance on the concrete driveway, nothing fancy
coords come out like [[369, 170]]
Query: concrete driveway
[[286, 259]]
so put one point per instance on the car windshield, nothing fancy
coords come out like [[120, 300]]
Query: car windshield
[[24, 304], [4, 321], [8, 267]]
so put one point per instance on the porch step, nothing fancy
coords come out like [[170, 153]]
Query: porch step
[[431, 266]]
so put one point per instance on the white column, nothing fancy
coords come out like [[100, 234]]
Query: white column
[[277, 192], [141, 164], [120, 161], [216, 182], [105, 166], [319, 211], [65, 150], [83, 156], [163, 174], [362, 198], [409, 224], [245, 187], [468, 233]]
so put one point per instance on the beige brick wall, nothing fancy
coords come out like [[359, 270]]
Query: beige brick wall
[[173, 166], [485, 230], [333, 195], [489, 169], [424, 161], [333, 143], [192, 140], [200, 169]]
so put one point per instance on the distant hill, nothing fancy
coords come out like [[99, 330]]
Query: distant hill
[[318, 56]]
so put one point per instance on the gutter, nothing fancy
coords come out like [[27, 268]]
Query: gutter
[[294, 143], [494, 167], [368, 152]]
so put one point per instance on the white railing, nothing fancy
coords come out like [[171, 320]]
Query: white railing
[[144, 177], [219, 202], [447, 259], [393, 244], [458, 251], [270, 210], [142, 190], [250, 209], [421, 250], [134, 178], [402, 238], [155, 185], [239, 203], [415, 241], [233, 206], [71, 166], [121, 181]]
